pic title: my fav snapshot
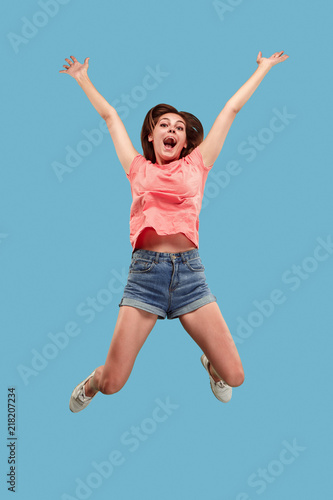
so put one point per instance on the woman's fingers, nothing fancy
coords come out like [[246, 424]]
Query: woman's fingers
[[74, 68], [71, 63], [275, 58], [62, 70], [278, 54], [278, 57], [68, 62]]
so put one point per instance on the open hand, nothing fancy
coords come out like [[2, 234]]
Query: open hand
[[276, 58], [75, 69]]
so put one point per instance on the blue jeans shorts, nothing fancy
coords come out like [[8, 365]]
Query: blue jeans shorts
[[166, 284]]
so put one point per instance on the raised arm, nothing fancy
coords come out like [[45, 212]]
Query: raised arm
[[211, 146], [124, 147]]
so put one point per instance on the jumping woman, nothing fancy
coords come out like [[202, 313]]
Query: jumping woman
[[166, 275]]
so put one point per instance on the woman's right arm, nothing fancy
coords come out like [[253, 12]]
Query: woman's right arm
[[123, 145]]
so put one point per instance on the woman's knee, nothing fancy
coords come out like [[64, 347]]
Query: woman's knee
[[110, 385], [235, 378]]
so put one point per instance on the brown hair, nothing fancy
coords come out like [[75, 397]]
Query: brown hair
[[194, 130]]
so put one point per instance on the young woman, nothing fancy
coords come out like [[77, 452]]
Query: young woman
[[166, 276]]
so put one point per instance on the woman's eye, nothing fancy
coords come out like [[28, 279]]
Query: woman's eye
[[163, 125], [180, 128]]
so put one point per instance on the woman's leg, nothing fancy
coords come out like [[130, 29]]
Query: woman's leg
[[131, 331], [209, 330]]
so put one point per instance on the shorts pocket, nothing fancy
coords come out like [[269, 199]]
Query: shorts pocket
[[195, 264], [139, 265]]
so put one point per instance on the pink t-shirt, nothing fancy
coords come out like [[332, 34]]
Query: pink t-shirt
[[167, 197]]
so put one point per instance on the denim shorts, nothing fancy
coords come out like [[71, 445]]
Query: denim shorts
[[166, 284]]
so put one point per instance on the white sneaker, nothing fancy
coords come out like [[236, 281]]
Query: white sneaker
[[221, 389], [79, 400]]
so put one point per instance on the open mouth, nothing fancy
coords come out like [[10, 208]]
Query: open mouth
[[169, 143]]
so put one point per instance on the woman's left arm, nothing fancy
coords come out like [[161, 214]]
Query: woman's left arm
[[211, 146]]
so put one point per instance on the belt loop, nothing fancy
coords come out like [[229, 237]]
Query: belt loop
[[156, 257]]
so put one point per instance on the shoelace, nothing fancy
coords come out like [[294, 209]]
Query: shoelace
[[222, 384], [82, 397]]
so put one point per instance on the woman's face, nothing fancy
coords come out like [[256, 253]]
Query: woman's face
[[168, 138]]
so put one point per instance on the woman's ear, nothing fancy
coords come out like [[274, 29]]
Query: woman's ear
[[150, 137]]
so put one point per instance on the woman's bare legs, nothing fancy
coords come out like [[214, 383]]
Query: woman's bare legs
[[131, 331], [209, 330]]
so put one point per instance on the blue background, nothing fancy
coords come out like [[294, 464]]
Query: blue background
[[62, 241]]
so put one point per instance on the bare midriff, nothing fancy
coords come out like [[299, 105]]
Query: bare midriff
[[149, 240]]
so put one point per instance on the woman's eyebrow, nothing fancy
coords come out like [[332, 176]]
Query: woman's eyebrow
[[167, 119]]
